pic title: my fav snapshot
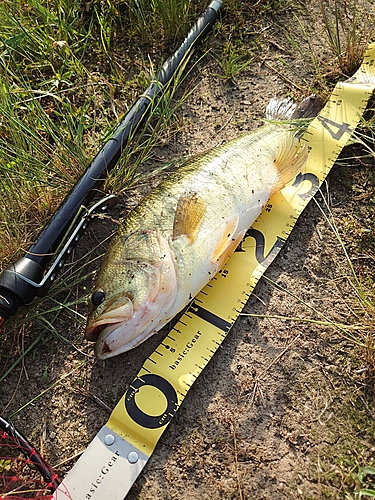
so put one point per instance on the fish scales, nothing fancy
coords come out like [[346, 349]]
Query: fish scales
[[227, 171], [182, 233]]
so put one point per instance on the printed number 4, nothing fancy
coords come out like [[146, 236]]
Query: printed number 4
[[336, 130]]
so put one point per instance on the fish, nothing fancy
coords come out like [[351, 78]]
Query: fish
[[182, 233]]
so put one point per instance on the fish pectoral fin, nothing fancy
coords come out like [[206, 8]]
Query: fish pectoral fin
[[290, 157], [224, 247], [189, 215]]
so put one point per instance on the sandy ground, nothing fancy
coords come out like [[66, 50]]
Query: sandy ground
[[284, 409]]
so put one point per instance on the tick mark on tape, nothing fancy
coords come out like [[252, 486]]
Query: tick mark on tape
[[210, 317]]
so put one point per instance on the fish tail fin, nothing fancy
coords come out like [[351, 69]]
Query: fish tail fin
[[290, 158], [309, 107], [287, 109]]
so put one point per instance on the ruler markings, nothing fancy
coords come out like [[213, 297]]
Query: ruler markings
[[199, 335], [210, 317], [213, 311]]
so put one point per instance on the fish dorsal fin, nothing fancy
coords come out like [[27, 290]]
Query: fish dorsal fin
[[190, 211], [280, 109], [286, 109], [290, 157]]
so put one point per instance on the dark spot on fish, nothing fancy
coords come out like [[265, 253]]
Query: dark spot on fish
[[105, 348], [97, 297]]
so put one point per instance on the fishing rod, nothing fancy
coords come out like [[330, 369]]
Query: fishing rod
[[26, 278]]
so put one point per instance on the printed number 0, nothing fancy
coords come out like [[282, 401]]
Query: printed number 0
[[138, 415]]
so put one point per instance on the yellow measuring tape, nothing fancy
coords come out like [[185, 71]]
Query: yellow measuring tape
[[144, 412], [161, 385]]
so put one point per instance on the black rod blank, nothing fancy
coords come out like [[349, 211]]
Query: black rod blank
[[15, 290]]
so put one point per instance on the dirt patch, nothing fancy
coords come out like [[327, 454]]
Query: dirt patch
[[284, 409]]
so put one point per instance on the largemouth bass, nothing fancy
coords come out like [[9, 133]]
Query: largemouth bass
[[183, 232]]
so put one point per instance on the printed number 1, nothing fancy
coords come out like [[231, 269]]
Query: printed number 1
[[331, 125]]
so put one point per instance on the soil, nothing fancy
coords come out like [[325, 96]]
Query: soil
[[285, 407]]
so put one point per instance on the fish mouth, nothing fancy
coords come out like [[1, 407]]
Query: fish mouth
[[122, 328], [133, 315], [117, 338], [93, 333], [110, 342], [118, 310]]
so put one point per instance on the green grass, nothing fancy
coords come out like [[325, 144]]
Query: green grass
[[57, 109], [364, 483], [63, 88], [69, 70], [234, 59], [349, 29], [162, 20]]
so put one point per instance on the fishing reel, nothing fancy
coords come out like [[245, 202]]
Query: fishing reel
[[26, 278]]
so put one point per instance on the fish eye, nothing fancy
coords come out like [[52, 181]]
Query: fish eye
[[97, 297]]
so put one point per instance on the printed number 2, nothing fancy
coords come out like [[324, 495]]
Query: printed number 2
[[336, 130], [258, 236]]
